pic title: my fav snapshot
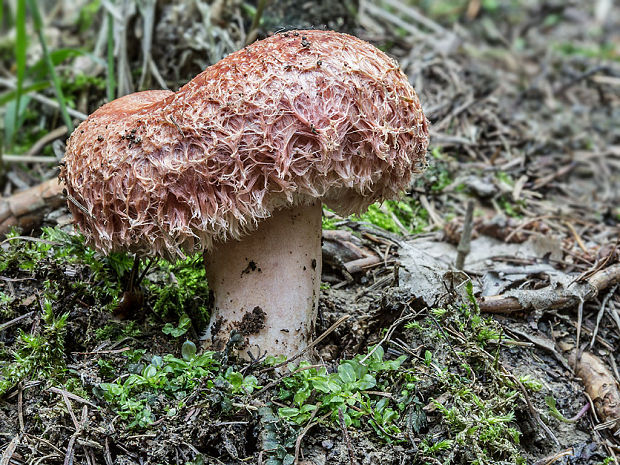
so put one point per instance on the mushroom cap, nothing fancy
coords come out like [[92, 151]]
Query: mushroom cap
[[295, 117]]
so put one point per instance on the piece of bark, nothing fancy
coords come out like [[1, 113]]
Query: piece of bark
[[26, 209], [561, 298], [600, 385], [357, 266]]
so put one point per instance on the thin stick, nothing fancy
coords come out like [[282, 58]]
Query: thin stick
[[46, 139], [20, 407], [311, 345], [387, 335], [345, 433], [600, 314], [464, 246], [70, 395], [14, 321], [29, 159], [44, 100], [305, 430]]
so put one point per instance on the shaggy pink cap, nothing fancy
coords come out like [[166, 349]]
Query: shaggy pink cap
[[295, 117]]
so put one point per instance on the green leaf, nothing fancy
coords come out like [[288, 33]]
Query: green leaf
[[307, 408], [288, 412], [302, 394], [378, 354], [110, 80], [321, 385], [367, 382], [553, 410], [235, 379], [149, 371], [188, 350], [111, 388], [346, 373], [184, 324]]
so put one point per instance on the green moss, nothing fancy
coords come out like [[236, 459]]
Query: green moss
[[404, 216], [180, 290], [473, 397], [39, 355]]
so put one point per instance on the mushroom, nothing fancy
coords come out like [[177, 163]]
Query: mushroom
[[237, 163]]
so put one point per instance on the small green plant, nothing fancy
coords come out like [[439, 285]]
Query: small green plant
[[404, 216], [327, 222], [277, 437], [309, 388], [39, 355], [555, 413], [532, 384], [489, 421], [136, 396], [162, 386], [429, 448], [184, 324], [116, 330], [414, 325]]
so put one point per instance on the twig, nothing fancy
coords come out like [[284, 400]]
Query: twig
[[577, 237], [46, 139], [345, 434], [70, 395], [305, 430], [106, 453], [464, 246], [11, 158], [361, 264], [435, 218], [534, 412], [14, 321], [44, 100], [388, 334], [418, 17], [562, 298], [20, 407], [98, 352], [10, 450], [70, 409], [395, 20], [327, 332], [579, 325], [600, 314]]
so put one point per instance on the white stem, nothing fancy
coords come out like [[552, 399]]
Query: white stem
[[266, 286]]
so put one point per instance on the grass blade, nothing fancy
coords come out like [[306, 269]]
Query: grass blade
[[12, 94], [21, 46], [110, 81], [38, 26]]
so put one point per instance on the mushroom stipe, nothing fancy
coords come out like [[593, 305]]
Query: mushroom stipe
[[237, 163]]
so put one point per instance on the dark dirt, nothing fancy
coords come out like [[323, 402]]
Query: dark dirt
[[250, 268], [252, 322]]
